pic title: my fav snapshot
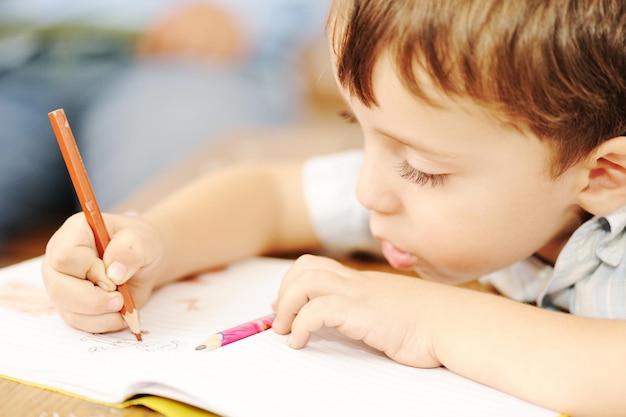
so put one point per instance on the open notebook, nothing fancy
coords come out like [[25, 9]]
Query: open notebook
[[258, 376]]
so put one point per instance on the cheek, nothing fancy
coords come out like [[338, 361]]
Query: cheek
[[474, 235]]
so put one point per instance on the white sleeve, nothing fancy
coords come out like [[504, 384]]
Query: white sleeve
[[340, 221]]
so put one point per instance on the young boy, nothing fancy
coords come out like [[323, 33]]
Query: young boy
[[493, 148]]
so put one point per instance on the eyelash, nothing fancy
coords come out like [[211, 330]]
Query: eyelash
[[420, 178], [406, 171]]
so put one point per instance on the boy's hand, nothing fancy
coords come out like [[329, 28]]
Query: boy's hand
[[83, 286], [392, 313]]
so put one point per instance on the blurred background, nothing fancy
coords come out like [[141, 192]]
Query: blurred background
[[156, 92]]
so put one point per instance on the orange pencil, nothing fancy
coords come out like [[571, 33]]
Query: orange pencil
[[88, 202]]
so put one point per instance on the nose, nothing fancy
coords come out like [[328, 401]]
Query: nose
[[374, 188]]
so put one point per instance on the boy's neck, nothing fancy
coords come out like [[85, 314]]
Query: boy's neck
[[550, 252]]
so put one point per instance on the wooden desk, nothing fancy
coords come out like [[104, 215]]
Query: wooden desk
[[23, 400]]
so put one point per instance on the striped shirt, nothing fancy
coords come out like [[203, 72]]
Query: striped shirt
[[588, 278]]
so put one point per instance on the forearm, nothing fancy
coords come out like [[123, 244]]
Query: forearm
[[231, 215], [571, 364]]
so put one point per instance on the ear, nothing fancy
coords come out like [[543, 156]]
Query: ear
[[605, 191]]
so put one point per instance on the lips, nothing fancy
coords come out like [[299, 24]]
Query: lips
[[398, 258]]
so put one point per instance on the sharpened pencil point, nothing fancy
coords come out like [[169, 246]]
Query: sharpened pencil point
[[200, 347], [138, 336]]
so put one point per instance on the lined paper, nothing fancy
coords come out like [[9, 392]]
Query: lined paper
[[256, 376]]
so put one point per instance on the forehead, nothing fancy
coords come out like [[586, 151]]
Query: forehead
[[453, 129], [451, 116], [392, 95]]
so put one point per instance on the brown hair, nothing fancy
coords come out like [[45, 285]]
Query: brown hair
[[556, 68]]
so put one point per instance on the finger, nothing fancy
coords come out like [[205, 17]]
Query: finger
[[305, 263], [72, 251], [124, 256], [80, 262], [104, 323], [301, 289], [81, 296], [77, 262], [299, 271], [326, 311]]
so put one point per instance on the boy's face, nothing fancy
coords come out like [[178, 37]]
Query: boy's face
[[454, 194]]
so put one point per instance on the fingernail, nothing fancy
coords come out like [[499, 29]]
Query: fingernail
[[105, 285], [115, 303], [117, 272]]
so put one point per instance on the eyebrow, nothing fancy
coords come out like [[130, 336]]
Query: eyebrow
[[348, 115], [418, 147]]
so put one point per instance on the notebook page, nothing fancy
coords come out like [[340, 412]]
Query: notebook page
[[38, 347], [257, 376], [263, 377]]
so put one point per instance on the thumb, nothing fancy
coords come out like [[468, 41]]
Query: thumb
[[124, 256]]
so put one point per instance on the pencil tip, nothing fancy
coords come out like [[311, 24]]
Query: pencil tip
[[200, 347], [138, 336]]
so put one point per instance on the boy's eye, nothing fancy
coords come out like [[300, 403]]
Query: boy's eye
[[420, 178], [347, 116]]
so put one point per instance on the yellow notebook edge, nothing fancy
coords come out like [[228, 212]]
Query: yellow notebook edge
[[165, 406]]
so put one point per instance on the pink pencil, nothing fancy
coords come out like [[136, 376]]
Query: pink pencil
[[239, 332]]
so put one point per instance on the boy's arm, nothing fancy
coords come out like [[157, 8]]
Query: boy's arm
[[225, 216], [233, 214], [571, 364]]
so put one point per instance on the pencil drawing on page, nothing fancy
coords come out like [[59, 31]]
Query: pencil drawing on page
[[102, 342]]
